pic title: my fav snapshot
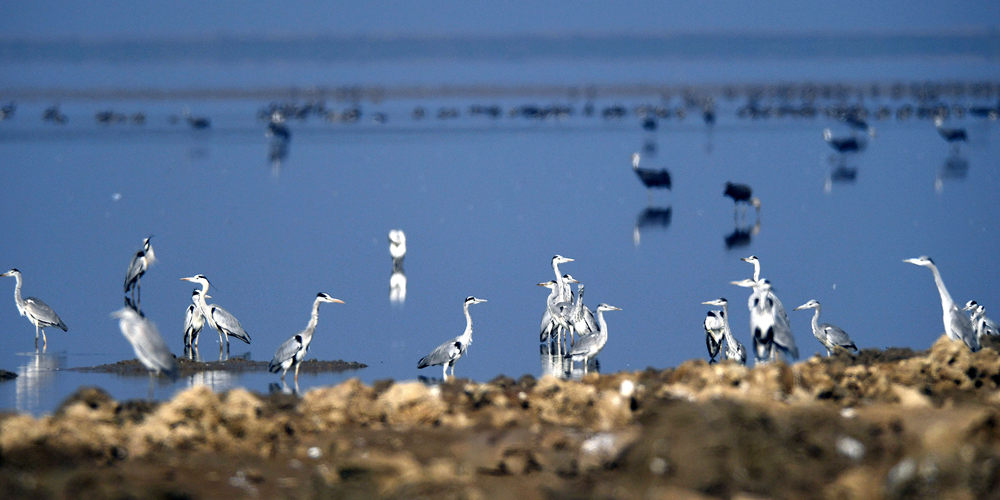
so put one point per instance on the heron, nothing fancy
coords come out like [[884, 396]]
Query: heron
[[980, 323], [149, 346], [734, 349], [957, 324], [397, 247], [582, 317], [293, 350], [556, 317], [713, 333], [218, 318], [277, 129], [768, 321], [650, 177], [38, 313], [843, 144], [753, 259], [588, 347], [856, 122], [137, 267], [951, 135], [832, 337], [560, 278], [449, 352], [194, 321], [742, 196]]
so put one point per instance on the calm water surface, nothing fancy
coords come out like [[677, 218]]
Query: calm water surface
[[485, 204]]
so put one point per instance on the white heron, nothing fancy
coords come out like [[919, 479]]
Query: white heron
[[957, 324], [218, 318], [137, 267], [556, 318], [832, 337], [149, 346], [588, 347], [583, 320], [397, 246], [38, 313], [449, 352], [293, 350], [982, 325], [734, 349]]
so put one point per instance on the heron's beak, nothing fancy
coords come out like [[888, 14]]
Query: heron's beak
[[338, 301], [539, 284], [803, 306], [187, 279], [709, 302]]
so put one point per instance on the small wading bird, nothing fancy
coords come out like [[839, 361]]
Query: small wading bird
[[734, 349], [448, 353], [742, 196], [149, 346], [38, 313], [194, 321], [218, 318], [714, 331], [843, 144], [651, 177], [768, 322], [957, 324], [137, 267], [557, 318], [830, 336], [951, 135], [590, 346], [293, 350], [982, 325]]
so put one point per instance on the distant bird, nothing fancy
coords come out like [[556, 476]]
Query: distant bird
[[753, 260], [742, 193], [137, 267], [830, 336], [843, 144], [397, 247], [277, 129], [982, 325], [54, 115], [197, 122], [38, 313], [293, 350], [194, 321], [218, 318], [582, 318], [855, 121], [590, 346], [449, 352], [957, 324], [557, 318], [715, 325], [651, 178], [951, 135], [734, 349], [768, 321], [149, 346]]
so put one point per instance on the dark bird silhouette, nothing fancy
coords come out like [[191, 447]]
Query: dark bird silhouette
[[741, 193], [650, 177], [843, 144], [952, 135]]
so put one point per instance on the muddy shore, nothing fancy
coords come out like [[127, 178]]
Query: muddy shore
[[883, 424], [186, 367]]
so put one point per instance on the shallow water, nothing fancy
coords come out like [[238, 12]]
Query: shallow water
[[485, 204]]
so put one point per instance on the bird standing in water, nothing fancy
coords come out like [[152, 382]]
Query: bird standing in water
[[449, 352], [293, 350], [38, 313], [137, 267]]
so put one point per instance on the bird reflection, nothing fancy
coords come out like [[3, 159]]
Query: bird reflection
[[742, 235], [955, 166], [133, 306], [651, 217], [38, 373], [397, 281], [841, 173], [554, 362], [217, 380]]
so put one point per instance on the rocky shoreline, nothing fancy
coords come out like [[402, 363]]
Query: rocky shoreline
[[884, 424]]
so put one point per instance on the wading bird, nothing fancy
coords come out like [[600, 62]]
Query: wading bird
[[38, 313], [768, 322], [448, 353], [742, 196], [556, 317], [137, 267], [194, 321], [734, 349], [843, 144], [588, 347], [149, 346], [651, 177], [951, 135], [957, 324], [982, 325], [832, 337], [397, 247], [714, 332], [291, 352], [582, 318], [218, 318]]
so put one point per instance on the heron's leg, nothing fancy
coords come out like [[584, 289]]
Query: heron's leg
[[444, 371], [45, 341], [36, 336], [297, 365]]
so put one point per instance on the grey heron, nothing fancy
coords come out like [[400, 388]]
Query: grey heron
[[397, 245], [734, 349], [194, 321], [449, 352], [218, 318], [650, 177], [983, 325], [957, 324], [714, 332], [556, 317], [756, 266], [38, 313], [397, 281], [768, 321], [137, 267], [582, 317], [832, 337], [560, 279], [843, 144], [588, 347], [149, 346], [293, 350]]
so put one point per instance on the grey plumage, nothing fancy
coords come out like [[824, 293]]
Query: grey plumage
[[38, 313], [769, 322], [981, 324], [194, 321], [218, 318], [714, 325], [149, 346], [832, 337], [291, 352], [957, 324], [138, 265], [449, 352], [590, 346], [734, 349]]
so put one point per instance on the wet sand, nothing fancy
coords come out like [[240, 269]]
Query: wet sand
[[883, 424], [185, 367]]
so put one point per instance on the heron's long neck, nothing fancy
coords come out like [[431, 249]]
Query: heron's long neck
[[555, 269], [578, 309], [756, 271], [468, 325], [815, 320], [946, 301], [313, 318], [17, 294], [725, 323]]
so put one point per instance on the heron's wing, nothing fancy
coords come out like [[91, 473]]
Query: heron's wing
[[783, 328], [285, 352], [448, 351], [228, 323], [42, 313], [837, 336], [585, 345], [960, 324], [588, 316], [149, 345], [135, 269]]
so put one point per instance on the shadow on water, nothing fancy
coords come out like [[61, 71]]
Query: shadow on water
[[651, 218], [38, 373], [955, 167]]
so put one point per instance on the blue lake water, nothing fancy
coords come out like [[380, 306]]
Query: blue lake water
[[485, 204]]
